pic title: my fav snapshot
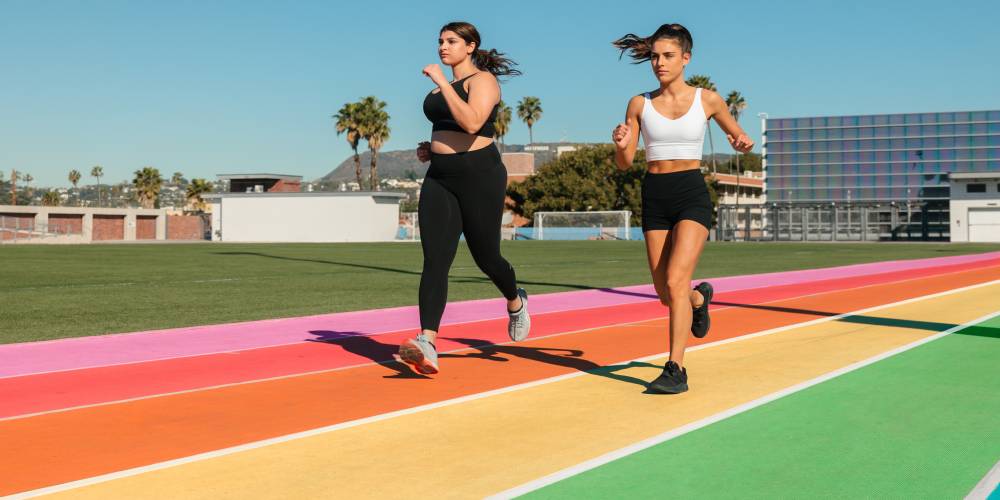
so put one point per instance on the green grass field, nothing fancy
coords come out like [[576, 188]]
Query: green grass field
[[50, 292]]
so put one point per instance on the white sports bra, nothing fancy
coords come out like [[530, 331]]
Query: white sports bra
[[680, 139]]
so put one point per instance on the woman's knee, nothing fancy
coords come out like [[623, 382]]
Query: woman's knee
[[678, 288]]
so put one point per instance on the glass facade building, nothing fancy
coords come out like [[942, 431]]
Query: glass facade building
[[877, 158]]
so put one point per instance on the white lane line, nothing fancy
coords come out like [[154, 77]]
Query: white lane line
[[483, 395], [989, 484], [680, 431]]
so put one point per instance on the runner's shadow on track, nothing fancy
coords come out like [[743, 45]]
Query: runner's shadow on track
[[570, 359], [977, 331], [453, 278], [364, 345]]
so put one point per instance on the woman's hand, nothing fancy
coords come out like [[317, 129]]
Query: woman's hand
[[436, 75], [741, 143], [621, 135], [424, 152]]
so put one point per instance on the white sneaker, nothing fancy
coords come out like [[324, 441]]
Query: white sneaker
[[520, 322], [420, 353]]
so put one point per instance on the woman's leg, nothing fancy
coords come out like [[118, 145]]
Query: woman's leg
[[687, 240], [440, 227], [481, 200]]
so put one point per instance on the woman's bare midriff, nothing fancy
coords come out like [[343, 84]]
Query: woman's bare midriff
[[671, 166], [450, 142]]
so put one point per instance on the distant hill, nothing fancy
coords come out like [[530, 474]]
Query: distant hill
[[391, 165]]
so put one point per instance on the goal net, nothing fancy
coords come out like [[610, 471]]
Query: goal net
[[604, 225]]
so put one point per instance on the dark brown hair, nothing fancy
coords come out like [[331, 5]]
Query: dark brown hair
[[639, 49], [486, 60]]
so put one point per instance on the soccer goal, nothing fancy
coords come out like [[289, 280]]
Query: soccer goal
[[602, 225]]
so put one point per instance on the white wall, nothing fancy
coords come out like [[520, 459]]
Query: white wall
[[962, 202], [307, 217]]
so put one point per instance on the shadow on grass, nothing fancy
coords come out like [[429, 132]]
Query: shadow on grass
[[457, 279]]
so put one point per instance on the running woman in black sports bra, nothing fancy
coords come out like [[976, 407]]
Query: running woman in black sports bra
[[464, 189], [676, 208]]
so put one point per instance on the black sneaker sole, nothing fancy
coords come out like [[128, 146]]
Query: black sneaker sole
[[660, 389], [706, 291]]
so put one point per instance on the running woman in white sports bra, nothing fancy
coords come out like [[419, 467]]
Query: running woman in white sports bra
[[676, 208]]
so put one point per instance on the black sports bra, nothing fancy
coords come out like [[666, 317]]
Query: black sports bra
[[436, 110]]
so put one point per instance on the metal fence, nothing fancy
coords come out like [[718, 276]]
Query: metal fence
[[19, 229], [833, 222]]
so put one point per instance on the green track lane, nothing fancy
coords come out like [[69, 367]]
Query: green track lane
[[922, 424]]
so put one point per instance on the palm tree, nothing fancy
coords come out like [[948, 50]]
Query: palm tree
[[736, 105], [375, 130], [177, 179], [98, 172], [529, 110], [349, 121], [195, 189], [14, 177], [502, 123], [705, 82], [147, 183], [50, 199], [74, 177], [27, 186]]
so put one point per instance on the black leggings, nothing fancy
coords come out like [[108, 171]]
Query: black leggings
[[462, 193]]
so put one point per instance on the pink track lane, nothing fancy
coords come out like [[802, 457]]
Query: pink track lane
[[86, 352], [330, 350]]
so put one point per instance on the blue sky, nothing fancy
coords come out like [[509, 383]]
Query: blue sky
[[226, 86]]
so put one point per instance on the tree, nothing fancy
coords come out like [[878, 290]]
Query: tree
[[74, 178], [529, 110], [705, 82], [14, 177], [736, 105], [177, 179], [50, 199], [348, 120], [502, 122], [27, 185], [98, 172], [195, 189], [581, 180], [587, 180], [375, 130], [147, 183]]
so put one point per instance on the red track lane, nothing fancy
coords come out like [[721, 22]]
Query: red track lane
[[60, 390]]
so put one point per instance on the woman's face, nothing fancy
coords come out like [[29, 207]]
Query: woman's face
[[452, 49], [668, 60]]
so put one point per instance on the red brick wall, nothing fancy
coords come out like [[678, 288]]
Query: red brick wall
[[12, 221], [283, 186], [109, 227], [145, 227], [66, 223], [185, 227]]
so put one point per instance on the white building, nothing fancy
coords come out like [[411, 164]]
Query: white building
[[975, 206], [304, 217]]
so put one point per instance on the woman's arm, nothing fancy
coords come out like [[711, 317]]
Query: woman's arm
[[718, 110], [484, 93], [626, 135]]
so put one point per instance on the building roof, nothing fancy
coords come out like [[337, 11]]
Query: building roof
[[974, 175], [729, 179], [519, 163], [229, 177]]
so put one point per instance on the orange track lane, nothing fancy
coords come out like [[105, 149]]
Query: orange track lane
[[60, 447]]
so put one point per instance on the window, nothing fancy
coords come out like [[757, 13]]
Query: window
[[975, 188]]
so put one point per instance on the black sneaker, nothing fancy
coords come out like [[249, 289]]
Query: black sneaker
[[700, 321], [673, 380]]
